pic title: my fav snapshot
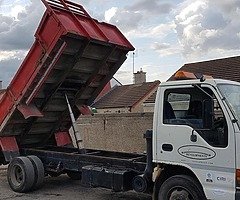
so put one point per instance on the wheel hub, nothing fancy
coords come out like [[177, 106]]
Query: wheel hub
[[19, 175]]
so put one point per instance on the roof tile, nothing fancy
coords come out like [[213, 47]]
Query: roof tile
[[126, 95], [225, 68]]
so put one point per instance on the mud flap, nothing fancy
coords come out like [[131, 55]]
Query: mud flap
[[63, 139], [9, 148]]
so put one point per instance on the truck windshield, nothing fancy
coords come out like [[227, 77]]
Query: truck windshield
[[232, 95]]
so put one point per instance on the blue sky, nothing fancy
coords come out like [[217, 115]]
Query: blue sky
[[166, 34]]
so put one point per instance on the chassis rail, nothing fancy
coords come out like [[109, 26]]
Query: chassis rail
[[62, 159], [112, 170]]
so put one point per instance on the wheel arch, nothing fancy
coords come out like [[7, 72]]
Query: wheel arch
[[168, 171]]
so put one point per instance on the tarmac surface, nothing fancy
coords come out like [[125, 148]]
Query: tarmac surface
[[63, 188]]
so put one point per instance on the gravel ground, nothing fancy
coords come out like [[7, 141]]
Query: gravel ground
[[63, 188]]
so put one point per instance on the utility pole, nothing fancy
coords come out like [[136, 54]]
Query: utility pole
[[133, 66]]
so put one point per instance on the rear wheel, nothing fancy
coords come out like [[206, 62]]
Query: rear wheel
[[21, 174], [38, 171], [181, 187]]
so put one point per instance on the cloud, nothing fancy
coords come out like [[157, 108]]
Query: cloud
[[110, 13], [208, 26], [16, 10], [162, 46], [132, 17], [5, 21], [152, 7], [4, 55], [82, 2], [126, 20], [163, 76], [16, 37], [166, 49], [230, 6], [9, 67], [162, 30], [18, 34], [124, 76], [155, 37]]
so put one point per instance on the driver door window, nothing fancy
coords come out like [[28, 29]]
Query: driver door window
[[198, 110]]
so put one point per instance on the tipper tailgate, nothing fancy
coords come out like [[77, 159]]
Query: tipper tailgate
[[73, 54]]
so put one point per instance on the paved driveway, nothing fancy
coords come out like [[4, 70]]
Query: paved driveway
[[63, 188]]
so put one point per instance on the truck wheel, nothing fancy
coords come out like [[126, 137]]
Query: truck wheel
[[181, 187], [74, 175], [38, 171], [20, 174]]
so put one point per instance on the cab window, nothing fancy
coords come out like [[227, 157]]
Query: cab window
[[199, 109]]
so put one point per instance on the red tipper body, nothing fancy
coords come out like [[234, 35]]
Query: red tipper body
[[73, 54]]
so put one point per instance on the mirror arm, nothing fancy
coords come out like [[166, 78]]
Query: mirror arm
[[199, 87], [193, 136]]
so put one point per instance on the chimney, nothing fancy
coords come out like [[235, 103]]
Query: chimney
[[140, 77], [1, 85]]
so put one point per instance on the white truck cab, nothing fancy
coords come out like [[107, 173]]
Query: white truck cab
[[197, 134]]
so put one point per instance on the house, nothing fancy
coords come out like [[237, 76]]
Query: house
[[126, 98], [119, 117], [148, 105], [225, 68]]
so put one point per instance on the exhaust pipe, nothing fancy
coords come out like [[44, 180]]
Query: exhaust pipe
[[143, 183]]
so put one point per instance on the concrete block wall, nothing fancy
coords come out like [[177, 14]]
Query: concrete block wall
[[115, 132]]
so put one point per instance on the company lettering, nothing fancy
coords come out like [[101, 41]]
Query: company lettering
[[196, 152]]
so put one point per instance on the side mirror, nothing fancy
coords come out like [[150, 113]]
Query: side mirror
[[208, 113]]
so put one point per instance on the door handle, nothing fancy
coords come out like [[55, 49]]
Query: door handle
[[167, 147]]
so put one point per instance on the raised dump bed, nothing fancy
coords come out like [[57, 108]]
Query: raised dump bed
[[73, 54]]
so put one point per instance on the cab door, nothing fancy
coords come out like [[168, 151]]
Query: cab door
[[193, 130]]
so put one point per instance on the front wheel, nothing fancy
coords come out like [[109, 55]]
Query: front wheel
[[181, 187]]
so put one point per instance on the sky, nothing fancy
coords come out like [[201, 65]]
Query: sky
[[166, 34]]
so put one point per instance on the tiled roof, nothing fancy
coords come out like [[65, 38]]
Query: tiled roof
[[225, 68], [152, 98], [126, 95]]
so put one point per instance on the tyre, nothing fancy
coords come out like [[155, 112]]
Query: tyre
[[38, 171], [74, 175], [181, 187], [21, 174]]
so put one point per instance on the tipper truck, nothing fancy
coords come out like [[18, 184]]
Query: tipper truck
[[191, 153]]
